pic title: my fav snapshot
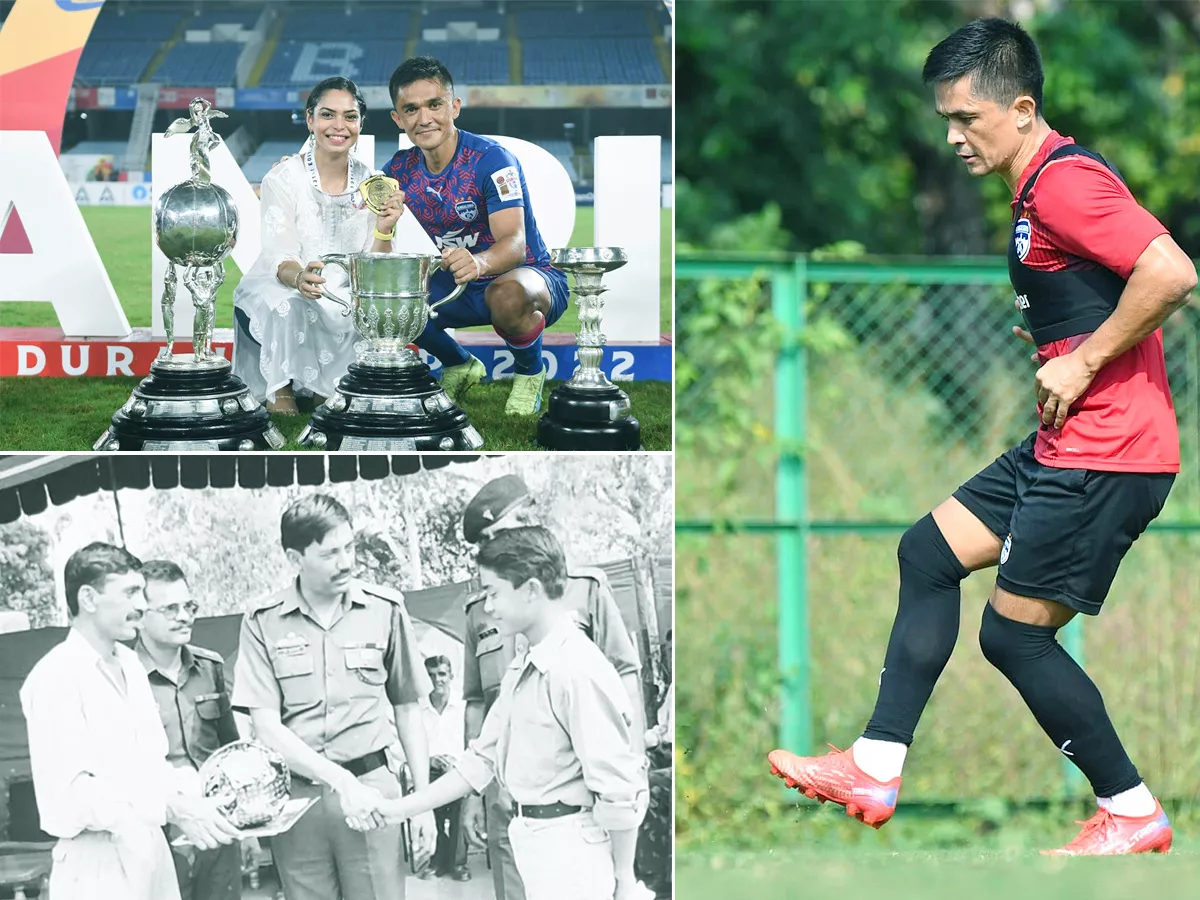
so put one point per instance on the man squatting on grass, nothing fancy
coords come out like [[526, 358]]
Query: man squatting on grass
[[1095, 276]]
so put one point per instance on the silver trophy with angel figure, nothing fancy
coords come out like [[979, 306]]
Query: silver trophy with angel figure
[[193, 401]]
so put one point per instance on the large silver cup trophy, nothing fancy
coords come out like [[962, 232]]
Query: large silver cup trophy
[[193, 401], [589, 412], [388, 400]]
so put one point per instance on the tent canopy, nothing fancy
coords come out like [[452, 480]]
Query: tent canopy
[[29, 484]]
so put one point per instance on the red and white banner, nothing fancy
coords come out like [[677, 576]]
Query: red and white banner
[[44, 352]]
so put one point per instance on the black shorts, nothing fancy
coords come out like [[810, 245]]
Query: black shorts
[[1065, 531]]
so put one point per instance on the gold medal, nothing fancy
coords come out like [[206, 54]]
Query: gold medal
[[376, 190]]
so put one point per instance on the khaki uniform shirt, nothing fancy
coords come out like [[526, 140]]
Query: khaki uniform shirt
[[329, 685], [195, 710], [486, 655], [559, 732]]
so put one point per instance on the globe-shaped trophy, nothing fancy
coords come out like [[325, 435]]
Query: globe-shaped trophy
[[388, 400], [249, 782], [193, 401], [589, 412]]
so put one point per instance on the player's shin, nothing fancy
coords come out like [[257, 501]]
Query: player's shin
[[922, 639], [526, 348], [1066, 703]]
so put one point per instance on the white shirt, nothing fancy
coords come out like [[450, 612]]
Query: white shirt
[[444, 730], [97, 747]]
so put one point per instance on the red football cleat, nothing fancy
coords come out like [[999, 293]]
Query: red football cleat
[[836, 777], [1107, 835]]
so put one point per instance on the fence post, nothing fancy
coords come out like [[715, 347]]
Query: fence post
[[788, 297]]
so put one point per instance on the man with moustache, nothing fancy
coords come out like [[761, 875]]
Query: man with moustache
[[316, 663], [189, 686], [98, 750], [503, 504]]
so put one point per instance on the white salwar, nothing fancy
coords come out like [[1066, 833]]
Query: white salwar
[[308, 343]]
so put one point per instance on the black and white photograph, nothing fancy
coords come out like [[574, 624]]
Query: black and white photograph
[[305, 677]]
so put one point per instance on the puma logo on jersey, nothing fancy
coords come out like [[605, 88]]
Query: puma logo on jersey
[[436, 193], [456, 238]]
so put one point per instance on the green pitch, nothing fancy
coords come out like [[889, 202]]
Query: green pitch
[[796, 871], [70, 413], [122, 236]]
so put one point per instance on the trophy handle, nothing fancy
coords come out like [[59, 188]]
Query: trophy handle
[[453, 295], [339, 260]]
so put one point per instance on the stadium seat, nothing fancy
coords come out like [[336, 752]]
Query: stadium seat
[[191, 65], [591, 61], [114, 63], [624, 20], [480, 62]]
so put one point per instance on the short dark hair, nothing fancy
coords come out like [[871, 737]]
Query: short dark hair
[[337, 83], [520, 554], [91, 566], [162, 570], [432, 662], [309, 520], [1000, 56], [419, 68]]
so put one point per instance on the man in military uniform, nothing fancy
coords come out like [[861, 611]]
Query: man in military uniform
[[316, 664], [188, 684], [501, 504]]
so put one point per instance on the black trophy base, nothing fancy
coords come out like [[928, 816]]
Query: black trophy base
[[589, 419], [390, 408], [181, 408]]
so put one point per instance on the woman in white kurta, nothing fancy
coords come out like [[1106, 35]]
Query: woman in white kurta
[[301, 343]]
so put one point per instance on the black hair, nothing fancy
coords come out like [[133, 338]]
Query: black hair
[[337, 83], [163, 570], [432, 662], [91, 566], [519, 554], [309, 520], [1000, 56], [419, 68]]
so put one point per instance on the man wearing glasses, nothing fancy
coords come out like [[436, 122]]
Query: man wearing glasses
[[188, 684]]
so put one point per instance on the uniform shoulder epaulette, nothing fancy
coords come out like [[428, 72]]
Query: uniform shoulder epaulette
[[379, 590], [264, 603], [205, 653]]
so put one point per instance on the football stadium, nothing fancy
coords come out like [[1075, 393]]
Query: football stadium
[[582, 90]]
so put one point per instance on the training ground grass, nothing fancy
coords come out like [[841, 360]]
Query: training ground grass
[[70, 413], [83, 407], [795, 871]]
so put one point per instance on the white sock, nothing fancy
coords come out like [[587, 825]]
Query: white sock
[[1104, 803], [1137, 801], [882, 760]]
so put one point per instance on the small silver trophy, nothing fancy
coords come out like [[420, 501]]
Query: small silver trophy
[[388, 400], [589, 412], [193, 402]]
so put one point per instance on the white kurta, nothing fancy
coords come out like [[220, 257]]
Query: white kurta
[[309, 343]]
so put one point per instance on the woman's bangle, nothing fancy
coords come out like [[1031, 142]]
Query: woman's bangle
[[380, 236], [299, 275]]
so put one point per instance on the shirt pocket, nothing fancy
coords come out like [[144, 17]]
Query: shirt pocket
[[296, 674], [364, 663], [210, 707]]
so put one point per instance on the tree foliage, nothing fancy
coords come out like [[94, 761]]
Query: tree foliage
[[817, 108], [26, 577]]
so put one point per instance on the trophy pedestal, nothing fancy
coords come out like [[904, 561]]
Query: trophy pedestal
[[589, 419], [394, 407], [183, 405]]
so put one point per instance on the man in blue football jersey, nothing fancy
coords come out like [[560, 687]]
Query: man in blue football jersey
[[469, 194]]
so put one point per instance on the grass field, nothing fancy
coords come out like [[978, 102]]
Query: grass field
[[122, 236], [794, 871], [83, 407]]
